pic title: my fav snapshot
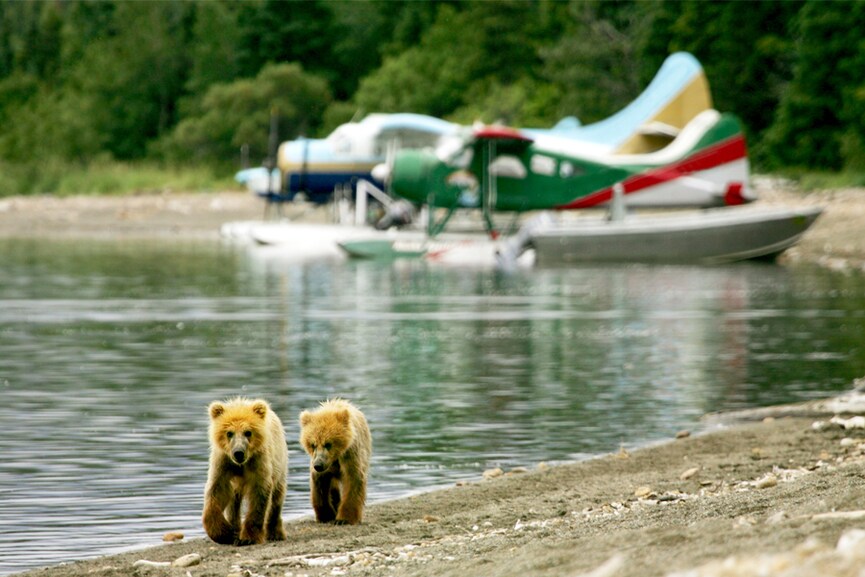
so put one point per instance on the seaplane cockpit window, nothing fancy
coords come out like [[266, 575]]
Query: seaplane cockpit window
[[417, 139], [544, 165], [568, 170], [508, 166], [404, 139]]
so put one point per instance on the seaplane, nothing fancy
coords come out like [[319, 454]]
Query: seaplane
[[501, 169], [496, 169]]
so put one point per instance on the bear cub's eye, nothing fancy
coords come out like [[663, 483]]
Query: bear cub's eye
[[247, 434], [230, 434], [327, 446]]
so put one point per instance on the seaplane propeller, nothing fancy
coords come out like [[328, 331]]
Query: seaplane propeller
[[382, 172], [399, 212]]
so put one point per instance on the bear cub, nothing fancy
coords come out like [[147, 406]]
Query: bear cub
[[248, 464], [337, 438]]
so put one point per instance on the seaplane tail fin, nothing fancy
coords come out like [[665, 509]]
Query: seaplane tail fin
[[677, 93]]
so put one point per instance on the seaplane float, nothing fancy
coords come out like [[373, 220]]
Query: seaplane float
[[667, 150]]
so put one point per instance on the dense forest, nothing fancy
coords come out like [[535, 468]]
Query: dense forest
[[184, 85]]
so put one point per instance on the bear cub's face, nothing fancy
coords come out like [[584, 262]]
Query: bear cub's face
[[325, 436], [237, 431]]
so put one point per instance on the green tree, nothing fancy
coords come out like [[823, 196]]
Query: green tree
[[747, 53], [339, 40], [120, 92], [852, 114], [595, 65], [427, 78], [524, 102], [133, 79], [214, 44], [813, 115], [238, 113], [407, 20], [30, 38], [470, 46], [302, 31]]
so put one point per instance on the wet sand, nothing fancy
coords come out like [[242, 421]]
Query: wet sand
[[779, 491]]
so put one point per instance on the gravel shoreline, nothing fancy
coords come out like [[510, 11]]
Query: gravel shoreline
[[779, 496]]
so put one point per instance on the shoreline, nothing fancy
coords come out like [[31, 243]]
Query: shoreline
[[779, 492]]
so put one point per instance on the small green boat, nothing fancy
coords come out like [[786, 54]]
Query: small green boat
[[382, 249]]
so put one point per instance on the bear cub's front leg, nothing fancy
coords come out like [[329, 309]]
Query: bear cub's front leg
[[216, 526]]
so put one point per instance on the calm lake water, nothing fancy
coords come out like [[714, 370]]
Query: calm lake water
[[111, 351]]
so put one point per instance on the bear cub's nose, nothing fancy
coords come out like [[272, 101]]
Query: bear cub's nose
[[319, 467], [239, 456]]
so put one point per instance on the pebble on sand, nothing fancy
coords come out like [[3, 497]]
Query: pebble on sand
[[493, 473], [689, 473], [146, 563], [189, 560], [767, 481], [857, 422], [642, 492]]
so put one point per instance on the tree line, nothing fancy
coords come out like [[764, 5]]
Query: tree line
[[183, 83]]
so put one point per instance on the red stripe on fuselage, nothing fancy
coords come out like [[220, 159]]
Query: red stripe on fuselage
[[725, 151]]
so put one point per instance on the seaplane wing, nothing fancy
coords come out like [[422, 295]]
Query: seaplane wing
[[504, 169]]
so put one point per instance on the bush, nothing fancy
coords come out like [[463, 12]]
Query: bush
[[239, 113]]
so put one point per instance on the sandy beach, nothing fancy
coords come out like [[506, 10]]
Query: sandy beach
[[778, 491]]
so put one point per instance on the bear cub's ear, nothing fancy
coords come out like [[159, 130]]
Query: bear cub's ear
[[343, 416], [215, 409], [305, 418], [260, 408]]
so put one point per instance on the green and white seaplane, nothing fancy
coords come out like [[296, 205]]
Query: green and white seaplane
[[497, 169]]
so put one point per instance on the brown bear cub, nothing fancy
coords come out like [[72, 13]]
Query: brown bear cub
[[248, 462], [339, 444]]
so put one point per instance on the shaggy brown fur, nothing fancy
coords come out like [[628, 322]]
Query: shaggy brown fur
[[337, 438], [248, 462]]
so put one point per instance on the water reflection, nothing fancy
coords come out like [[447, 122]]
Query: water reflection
[[110, 352]]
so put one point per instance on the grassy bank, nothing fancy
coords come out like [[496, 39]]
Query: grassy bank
[[108, 177], [816, 181]]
